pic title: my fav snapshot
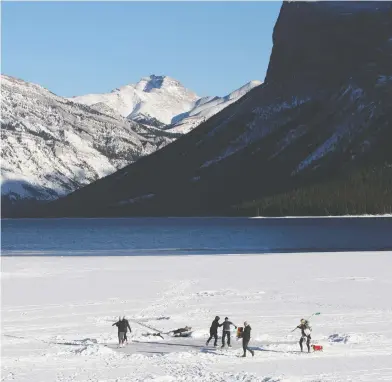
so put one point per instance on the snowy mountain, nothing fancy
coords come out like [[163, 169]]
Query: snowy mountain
[[162, 101], [51, 146], [204, 108], [157, 97], [323, 114]]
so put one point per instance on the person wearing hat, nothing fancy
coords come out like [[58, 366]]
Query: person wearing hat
[[246, 339], [214, 331], [226, 331]]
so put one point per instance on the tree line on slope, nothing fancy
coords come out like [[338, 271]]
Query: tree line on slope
[[365, 191]]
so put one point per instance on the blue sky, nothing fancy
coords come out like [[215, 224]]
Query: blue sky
[[75, 48]]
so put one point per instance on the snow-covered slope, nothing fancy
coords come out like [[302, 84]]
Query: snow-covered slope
[[162, 101], [51, 146], [206, 107], [158, 97]]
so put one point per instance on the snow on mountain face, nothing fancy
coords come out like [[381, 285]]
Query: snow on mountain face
[[206, 107], [157, 97], [51, 146], [161, 101]]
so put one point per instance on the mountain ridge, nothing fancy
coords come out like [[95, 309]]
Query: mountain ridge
[[159, 97], [50, 149], [163, 101], [51, 146]]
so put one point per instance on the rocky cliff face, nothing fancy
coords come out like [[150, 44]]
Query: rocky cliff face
[[323, 110], [318, 45]]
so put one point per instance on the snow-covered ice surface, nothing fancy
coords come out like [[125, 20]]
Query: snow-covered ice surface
[[57, 314]]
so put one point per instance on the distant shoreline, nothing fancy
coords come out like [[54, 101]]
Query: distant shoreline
[[201, 217], [322, 216]]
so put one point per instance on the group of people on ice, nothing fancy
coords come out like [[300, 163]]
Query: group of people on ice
[[244, 333]]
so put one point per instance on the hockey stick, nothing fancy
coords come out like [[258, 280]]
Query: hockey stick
[[307, 319], [147, 326]]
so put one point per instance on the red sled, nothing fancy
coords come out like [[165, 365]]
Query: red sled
[[317, 348]]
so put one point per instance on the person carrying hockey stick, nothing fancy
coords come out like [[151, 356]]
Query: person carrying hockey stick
[[305, 334]]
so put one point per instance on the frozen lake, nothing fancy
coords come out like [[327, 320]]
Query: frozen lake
[[180, 236], [58, 308], [57, 315]]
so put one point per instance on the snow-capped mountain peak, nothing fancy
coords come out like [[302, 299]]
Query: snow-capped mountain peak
[[162, 100], [159, 97], [153, 82]]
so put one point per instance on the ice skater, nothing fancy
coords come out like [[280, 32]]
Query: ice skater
[[226, 331], [305, 334], [214, 331], [246, 339]]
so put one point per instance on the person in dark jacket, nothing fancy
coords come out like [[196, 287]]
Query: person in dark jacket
[[246, 339], [226, 331], [121, 330], [305, 334], [126, 326], [214, 331]]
